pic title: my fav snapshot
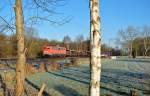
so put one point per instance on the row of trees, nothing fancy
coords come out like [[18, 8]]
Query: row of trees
[[135, 40], [34, 44], [6, 46]]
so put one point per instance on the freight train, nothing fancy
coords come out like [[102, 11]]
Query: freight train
[[53, 51]]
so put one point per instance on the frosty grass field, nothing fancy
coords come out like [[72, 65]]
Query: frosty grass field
[[118, 78]]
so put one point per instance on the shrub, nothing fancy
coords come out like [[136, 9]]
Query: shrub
[[30, 69], [42, 67], [53, 66]]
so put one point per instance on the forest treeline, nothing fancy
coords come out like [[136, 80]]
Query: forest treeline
[[130, 39], [34, 44], [135, 40]]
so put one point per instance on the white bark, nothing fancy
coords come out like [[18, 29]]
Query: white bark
[[95, 44], [145, 42]]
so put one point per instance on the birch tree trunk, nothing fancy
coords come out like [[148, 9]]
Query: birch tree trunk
[[21, 59], [131, 47], [95, 45], [146, 47]]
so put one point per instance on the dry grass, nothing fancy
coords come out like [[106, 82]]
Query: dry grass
[[9, 78], [42, 67], [53, 66], [1, 93], [30, 69], [2, 65]]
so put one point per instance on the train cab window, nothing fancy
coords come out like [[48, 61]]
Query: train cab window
[[47, 47], [54, 48], [59, 48]]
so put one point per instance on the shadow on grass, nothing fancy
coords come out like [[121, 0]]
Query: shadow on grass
[[36, 87], [66, 91], [87, 82], [127, 73], [135, 60], [115, 91], [108, 79], [8, 64], [78, 70], [71, 78]]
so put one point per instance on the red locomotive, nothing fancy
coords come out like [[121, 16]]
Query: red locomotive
[[54, 51]]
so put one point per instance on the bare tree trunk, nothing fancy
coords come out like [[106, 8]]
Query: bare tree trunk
[[67, 45], [95, 44], [20, 66], [131, 49], [146, 48]]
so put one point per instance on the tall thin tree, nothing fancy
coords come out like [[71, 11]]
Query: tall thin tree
[[146, 35], [95, 44], [21, 59]]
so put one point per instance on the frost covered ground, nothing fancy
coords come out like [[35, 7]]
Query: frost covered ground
[[118, 78]]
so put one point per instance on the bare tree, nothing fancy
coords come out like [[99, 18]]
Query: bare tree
[[67, 41], [146, 36], [128, 36], [48, 8], [81, 39], [95, 44], [21, 59], [30, 38], [131, 34], [79, 42]]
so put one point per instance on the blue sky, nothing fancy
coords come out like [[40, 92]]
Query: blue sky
[[118, 14], [115, 14], [78, 10]]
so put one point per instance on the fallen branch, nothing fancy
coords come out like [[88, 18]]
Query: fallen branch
[[41, 90]]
